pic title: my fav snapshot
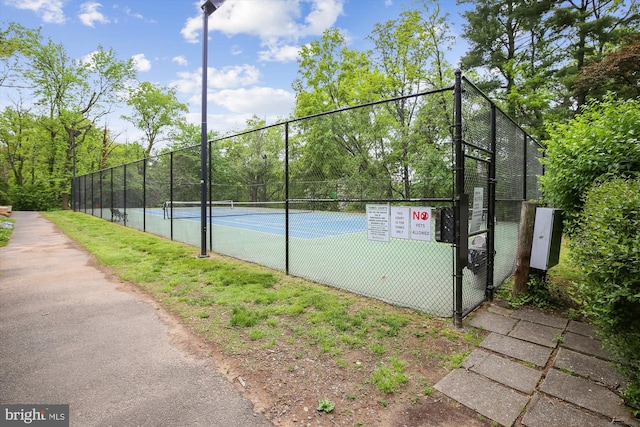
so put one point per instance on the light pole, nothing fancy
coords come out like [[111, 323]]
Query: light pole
[[207, 8]]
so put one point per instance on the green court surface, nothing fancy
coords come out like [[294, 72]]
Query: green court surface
[[408, 273]]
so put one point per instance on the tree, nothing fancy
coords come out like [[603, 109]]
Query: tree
[[156, 110], [16, 42], [511, 43], [531, 52], [249, 167], [66, 100], [339, 146], [76, 95], [600, 141], [619, 72], [377, 147], [18, 132], [410, 53], [587, 28]]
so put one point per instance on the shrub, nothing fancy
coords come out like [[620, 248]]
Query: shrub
[[604, 139], [4, 192], [607, 247], [34, 197]]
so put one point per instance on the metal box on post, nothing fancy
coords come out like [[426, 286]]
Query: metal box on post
[[547, 236]]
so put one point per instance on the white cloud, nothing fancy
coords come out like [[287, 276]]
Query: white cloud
[[180, 60], [191, 29], [88, 58], [277, 23], [234, 76], [89, 14], [285, 53], [49, 10], [226, 78], [323, 15], [131, 13], [140, 63], [261, 101], [236, 50]]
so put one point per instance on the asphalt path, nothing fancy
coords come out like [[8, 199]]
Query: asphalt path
[[71, 334]]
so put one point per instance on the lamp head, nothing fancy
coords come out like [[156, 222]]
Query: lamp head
[[210, 6]]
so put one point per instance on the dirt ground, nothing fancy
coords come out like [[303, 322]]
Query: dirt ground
[[287, 388], [286, 383], [287, 391]]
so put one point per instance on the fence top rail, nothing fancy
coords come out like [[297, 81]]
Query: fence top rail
[[324, 113], [413, 200], [337, 110]]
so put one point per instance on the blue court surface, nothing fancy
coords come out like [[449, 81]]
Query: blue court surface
[[314, 225], [302, 225]]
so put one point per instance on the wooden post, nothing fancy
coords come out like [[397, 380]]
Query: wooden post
[[525, 239]]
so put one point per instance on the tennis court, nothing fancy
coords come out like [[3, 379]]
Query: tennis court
[[474, 164], [332, 247], [267, 218]]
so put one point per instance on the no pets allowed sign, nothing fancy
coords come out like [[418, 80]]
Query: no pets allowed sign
[[401, 222]]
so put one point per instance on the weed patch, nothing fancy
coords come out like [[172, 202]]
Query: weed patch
[[389, 378]]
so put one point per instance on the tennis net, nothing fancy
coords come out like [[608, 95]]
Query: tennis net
[[221, 208]]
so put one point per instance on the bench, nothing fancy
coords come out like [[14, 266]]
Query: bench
[[116, 215]]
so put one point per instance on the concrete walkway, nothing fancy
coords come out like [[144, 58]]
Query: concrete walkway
[[68, 335], [538, 370]]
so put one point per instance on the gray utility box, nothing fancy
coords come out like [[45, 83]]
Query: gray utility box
[[547, 236]]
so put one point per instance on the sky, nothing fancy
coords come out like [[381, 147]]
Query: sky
[[253, 46]]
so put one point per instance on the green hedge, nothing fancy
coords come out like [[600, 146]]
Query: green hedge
[[603, 140], [607, 247], [34, 198]]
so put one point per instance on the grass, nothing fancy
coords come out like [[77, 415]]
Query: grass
[[5, 233], [239, 303], [390, 377], [557, 291]]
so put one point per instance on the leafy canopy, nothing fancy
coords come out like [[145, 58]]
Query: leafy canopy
[[604, 140]]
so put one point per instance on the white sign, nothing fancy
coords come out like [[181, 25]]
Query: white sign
[[421, 224], [378, 223], [476, 213], [400, 222]]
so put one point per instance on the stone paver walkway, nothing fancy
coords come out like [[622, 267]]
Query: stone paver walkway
[[538, 370]]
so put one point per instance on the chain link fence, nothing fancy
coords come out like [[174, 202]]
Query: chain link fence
[[363, 198]]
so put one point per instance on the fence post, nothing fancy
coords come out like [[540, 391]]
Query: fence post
[[171, 194], [101, 199], [525, 172], [491, 208], [92, 196], [286, 197], [111, 190], [210, 144], [124, 193], [462, 241], [144, 193]]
